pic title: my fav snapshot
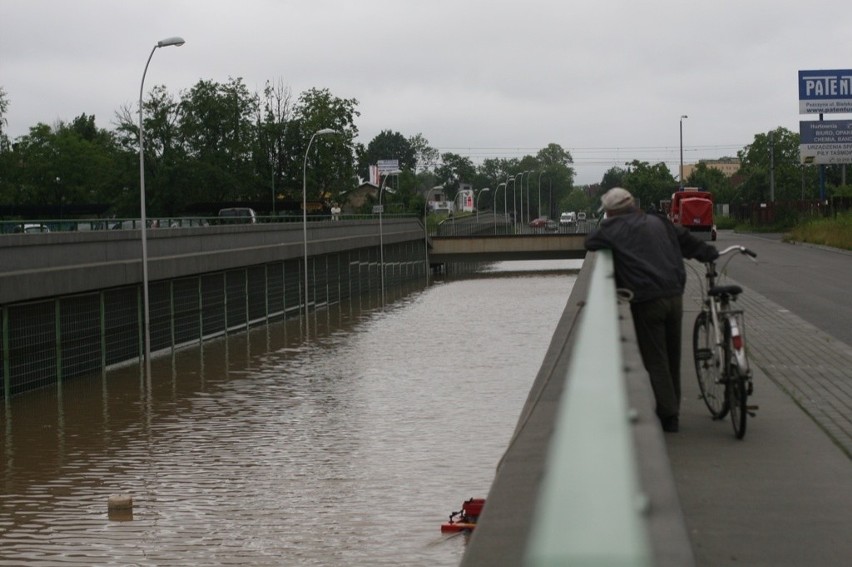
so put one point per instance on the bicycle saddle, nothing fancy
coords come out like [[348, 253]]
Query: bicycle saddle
[[731, 290]]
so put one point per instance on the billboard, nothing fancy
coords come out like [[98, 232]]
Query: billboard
[[827, 91], [825, 142]]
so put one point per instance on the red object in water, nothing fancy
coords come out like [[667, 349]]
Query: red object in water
[[466, 518]]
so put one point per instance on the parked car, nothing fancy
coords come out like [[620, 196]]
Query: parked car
[[545, 224], [568, 218], [581, 216], [237, 215]]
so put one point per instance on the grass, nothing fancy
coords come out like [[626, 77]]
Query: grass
[[835, 232]]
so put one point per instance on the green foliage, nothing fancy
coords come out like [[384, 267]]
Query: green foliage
[[577, 200], [650, 184], [4, 107], [614, 177], [711, 180], [425, 156], [454, 169], [835, 232], [330, 168], [387, 145]]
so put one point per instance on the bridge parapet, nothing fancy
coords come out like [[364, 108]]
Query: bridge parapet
[[586, 478]]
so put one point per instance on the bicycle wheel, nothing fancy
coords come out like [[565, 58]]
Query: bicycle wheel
[[708, 366], [735, 389]]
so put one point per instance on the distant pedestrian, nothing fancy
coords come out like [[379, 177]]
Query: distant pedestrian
[[648, 252]]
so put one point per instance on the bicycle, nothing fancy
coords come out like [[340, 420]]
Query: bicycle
[[719, 349]]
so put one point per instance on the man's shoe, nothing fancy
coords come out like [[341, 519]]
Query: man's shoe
[[670, 424]]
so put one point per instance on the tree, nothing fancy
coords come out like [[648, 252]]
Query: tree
[[217, 128], [274, 114], [613, 177], [774, 155], [425, 156], [557, 166], [712, 180], [62, 167], [454, 169], [649, 184], [330, 166], [4, 107], [387, 145]]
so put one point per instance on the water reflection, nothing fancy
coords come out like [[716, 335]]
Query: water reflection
[[261, 449]]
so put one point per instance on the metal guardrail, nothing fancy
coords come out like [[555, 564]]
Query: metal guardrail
[[590, 508]]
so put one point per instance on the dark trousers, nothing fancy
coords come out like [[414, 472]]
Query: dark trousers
[[658, 327]]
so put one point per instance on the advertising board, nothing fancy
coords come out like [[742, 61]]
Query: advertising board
[[825, 91], [825, 142]]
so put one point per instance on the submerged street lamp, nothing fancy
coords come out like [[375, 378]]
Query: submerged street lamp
[[323, 132], [168, 42]]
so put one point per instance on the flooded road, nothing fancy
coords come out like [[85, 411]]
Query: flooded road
[[262, 449]]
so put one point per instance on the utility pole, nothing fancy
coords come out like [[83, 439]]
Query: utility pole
[[771, 168]]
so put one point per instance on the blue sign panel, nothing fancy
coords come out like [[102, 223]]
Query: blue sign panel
[[825, 141], [825, 91]]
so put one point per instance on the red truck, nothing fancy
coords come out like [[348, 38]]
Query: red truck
[[693, 208]]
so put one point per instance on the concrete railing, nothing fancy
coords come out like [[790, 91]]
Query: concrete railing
[[586, 479]]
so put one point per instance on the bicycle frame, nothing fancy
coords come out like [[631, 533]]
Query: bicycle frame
[[719, 307], [720, 354]]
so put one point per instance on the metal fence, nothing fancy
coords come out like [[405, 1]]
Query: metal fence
[[772, 212], [49, 341]]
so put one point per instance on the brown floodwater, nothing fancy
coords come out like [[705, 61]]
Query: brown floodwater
[[262, 448]]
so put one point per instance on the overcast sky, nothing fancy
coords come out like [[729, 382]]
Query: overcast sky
[[608, 80]]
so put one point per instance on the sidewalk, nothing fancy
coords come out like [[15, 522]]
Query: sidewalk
[[783, 495]]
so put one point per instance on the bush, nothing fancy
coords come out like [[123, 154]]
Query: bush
[[836, 232]]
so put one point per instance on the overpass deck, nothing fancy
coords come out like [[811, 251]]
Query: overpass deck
[[495, 248]]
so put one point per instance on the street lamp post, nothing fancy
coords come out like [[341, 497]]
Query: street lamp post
[[539, 195], [681, 149], [520, 178], [495, 204], [528, 197], [168, 42], [481, 191], [322, 132], [506, 196], [381, 236], [514, 179]]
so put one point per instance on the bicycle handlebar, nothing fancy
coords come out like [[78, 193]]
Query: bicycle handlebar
[[738, 248]]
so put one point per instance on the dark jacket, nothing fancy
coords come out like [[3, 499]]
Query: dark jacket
[[648, 252]]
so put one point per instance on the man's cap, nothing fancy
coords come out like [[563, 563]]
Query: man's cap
[[616, 199]]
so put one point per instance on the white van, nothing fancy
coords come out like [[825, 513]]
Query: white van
[[568, 219]]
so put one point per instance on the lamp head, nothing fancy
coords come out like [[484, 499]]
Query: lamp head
[[169, 41], [682, 116], [325, 131]]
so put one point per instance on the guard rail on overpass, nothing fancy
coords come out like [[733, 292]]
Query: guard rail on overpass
[[62, 263], [487, 237]]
